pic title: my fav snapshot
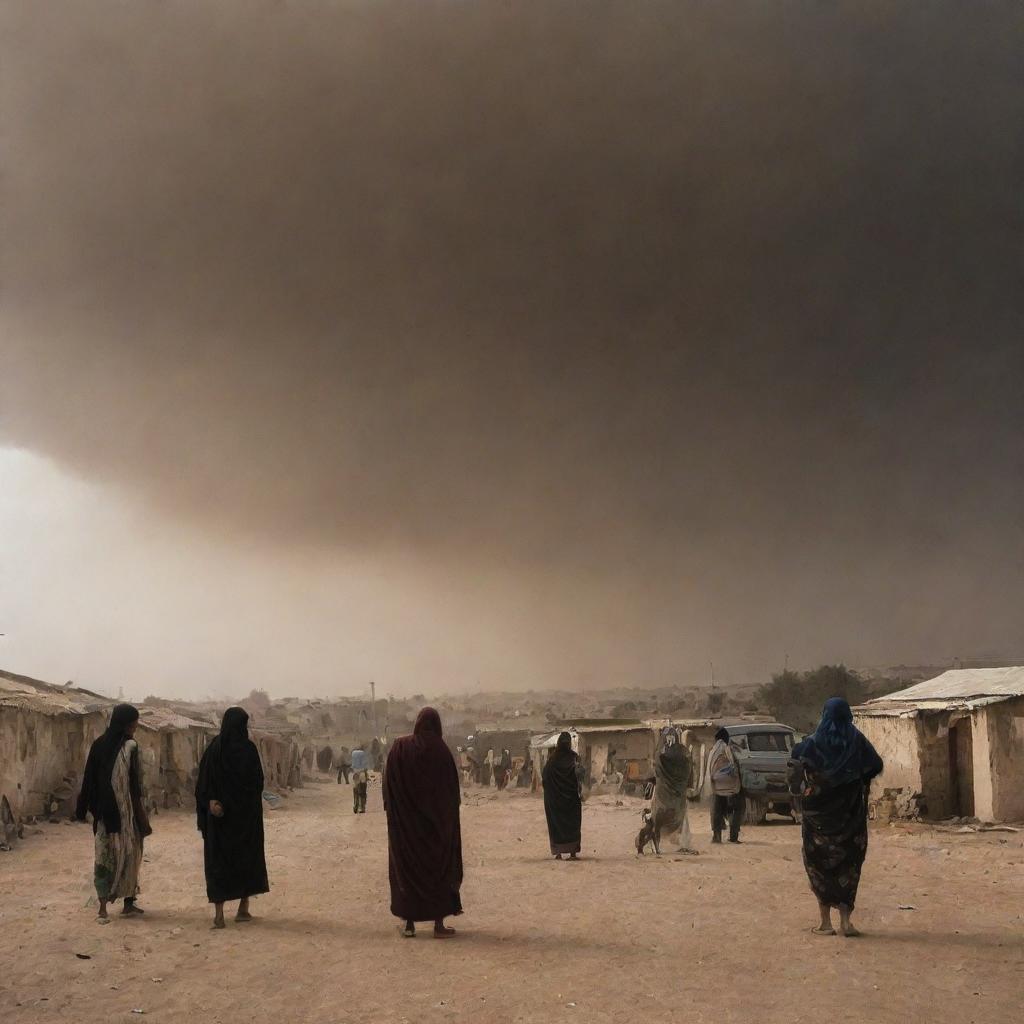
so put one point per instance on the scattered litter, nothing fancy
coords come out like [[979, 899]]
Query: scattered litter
[[570, 1004], [158, 980], [272, 800], [83, 956], [966, 830], [906, 906], [138, 1011]]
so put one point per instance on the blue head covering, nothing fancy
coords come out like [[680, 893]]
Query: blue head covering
[[837, 749]]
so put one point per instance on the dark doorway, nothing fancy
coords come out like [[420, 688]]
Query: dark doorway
[[961, 768]]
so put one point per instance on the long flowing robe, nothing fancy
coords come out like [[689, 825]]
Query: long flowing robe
[[832, 770], [672, 771], [118, 855], [421, 801], [233, 848], [563, 804], [112, 794]]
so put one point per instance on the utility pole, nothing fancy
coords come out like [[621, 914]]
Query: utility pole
[[373, 706]]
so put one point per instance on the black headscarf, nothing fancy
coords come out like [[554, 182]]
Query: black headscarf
[[97, 795], [722, 734]]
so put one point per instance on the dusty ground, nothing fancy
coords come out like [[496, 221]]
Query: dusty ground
[[720, 937]]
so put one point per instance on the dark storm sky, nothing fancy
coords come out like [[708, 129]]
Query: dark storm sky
[[656, 333]]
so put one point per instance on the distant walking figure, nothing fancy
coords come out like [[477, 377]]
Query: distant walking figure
[[421, 801], [112, 794], [344, 765], [229, 813], [360, 780], [563, 803], [832, 770], [728, 799], [504, 770]]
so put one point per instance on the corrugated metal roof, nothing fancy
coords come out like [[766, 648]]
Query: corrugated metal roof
[[960, 683], [959, 688]]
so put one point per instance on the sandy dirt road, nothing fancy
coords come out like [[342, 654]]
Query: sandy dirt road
[[720, 937]]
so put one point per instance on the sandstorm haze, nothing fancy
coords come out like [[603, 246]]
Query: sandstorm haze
[[528, 345]]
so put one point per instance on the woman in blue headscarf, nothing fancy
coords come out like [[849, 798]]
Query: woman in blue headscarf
[[832, 771]]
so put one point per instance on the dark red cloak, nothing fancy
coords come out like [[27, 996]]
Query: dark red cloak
[[421, 800]]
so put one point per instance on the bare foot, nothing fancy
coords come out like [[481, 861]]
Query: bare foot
[[130, 910], [243, 916], [218, 923], [823, 931], [849, 931]]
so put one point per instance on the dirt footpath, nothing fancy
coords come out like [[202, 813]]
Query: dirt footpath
[[721, 937]]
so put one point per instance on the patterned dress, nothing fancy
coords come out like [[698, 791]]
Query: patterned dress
[[119, 854], [835, 842]]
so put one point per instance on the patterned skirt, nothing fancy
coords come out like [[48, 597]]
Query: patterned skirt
[[835, 843], [118, 855]]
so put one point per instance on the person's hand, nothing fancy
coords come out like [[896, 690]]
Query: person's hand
[[216, 808]]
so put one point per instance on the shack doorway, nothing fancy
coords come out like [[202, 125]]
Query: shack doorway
[[961, 768]]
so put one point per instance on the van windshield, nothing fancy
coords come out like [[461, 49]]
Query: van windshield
[[775, 742]]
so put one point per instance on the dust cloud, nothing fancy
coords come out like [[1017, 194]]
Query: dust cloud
[[615, 341]]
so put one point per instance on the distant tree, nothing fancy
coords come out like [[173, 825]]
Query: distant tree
[[796, 698], [259, 698]]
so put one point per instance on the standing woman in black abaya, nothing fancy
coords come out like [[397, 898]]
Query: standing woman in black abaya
[[229, 811], [563, 803]]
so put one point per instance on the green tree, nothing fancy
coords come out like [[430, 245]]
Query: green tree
[[796, 698]]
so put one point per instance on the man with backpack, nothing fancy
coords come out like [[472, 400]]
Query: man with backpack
[[728, 801]]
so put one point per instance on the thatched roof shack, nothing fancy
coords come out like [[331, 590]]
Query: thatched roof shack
[[45, 734], [171, 745]]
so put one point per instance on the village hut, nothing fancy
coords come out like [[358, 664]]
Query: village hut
[[953, 746], [610, 748], [45, 735], [171, 745]]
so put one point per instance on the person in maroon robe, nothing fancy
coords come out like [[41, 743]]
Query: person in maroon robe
[[421, 801]]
